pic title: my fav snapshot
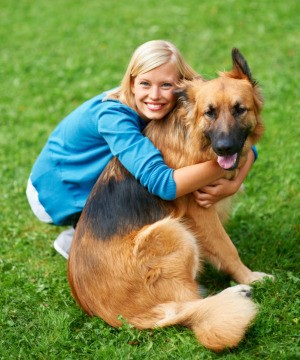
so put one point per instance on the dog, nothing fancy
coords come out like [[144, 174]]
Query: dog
[[137, 256]]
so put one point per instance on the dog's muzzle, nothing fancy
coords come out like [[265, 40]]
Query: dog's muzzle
[[228, 151]]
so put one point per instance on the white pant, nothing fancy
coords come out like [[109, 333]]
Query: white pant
[[37, 208]]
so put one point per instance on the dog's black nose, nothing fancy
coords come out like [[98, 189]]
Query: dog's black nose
[[224, 146]]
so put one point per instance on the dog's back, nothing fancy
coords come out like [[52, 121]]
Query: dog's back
[[125, 241]]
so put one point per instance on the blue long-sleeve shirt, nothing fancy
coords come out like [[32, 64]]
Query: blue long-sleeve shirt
[[81, 146]]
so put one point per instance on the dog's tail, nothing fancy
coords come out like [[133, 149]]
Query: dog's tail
[[219, 321]]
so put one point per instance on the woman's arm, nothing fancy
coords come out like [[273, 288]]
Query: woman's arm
[[190, 178], [209, 195], [121, 129]]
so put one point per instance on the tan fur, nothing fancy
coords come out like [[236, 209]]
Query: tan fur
[[148, 275]]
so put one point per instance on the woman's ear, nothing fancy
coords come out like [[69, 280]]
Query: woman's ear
[[132, 86]]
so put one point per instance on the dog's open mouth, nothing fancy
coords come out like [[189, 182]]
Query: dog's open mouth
[[228, 162]]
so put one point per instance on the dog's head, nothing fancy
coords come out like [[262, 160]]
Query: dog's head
[[227, 110]]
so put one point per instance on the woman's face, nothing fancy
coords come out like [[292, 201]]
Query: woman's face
[[153, 92]]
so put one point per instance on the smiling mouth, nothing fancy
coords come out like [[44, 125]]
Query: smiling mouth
[[154, 107]]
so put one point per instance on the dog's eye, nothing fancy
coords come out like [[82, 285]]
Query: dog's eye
[[211, 113], [239, 110]]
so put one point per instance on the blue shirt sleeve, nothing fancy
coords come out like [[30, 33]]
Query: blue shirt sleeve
[[121, 127], [255, 152]]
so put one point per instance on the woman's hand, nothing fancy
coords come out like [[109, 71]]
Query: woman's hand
[[218, 190]]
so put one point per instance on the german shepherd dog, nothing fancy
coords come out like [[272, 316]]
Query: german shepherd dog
[[137, 256]]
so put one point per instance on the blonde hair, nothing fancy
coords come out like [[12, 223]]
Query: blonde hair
[[147, 57]]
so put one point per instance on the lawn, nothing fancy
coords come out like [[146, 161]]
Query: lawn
[[56, 54]]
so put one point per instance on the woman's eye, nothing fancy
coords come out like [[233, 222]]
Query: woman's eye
[[167, 85], [144, 84]]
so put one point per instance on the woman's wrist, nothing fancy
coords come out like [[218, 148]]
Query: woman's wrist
[[194, 177], [236, 184]]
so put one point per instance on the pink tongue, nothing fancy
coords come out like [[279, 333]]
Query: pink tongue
[[227, 162]]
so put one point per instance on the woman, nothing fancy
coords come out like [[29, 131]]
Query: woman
[[111, 124]]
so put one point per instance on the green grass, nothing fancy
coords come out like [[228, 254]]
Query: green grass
[[56, 54]]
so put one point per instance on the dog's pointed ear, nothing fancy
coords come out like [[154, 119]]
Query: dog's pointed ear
[[240, 67], [181, 95], [183, 92], [184, 97]]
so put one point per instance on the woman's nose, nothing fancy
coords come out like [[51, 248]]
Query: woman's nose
[[154, 93]]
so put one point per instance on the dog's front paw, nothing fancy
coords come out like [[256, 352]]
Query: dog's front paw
[[260, 276]]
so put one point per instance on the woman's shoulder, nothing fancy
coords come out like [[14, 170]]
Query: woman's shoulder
[[102, 110], [110, 106], [103, 101]]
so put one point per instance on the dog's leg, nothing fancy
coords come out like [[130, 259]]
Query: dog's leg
[[167, 255], [168, 252], [217, 246]]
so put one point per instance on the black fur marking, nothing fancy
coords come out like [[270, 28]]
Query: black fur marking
[[118, 207]]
